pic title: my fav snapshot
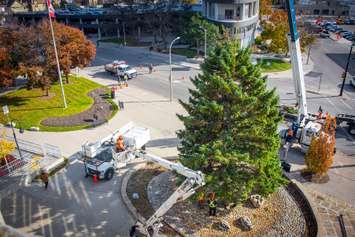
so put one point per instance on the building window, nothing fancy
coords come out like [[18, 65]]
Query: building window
[[325, 12], [254, 8], [211, 10], [246, 10], [237, 12], [228, 14], [316, 11]]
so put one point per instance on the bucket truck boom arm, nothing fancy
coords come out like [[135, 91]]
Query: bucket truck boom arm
[[193, 181]]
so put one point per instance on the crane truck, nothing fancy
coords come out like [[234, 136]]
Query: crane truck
[[307, 126], [101, 159]]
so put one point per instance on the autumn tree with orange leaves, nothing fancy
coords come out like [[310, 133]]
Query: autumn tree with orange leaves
[[5, 69], [320, 155], [276, 30], [32, 53], [265, 7], [74, 50]]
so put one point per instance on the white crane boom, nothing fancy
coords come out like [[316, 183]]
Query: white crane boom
[[195, 179]]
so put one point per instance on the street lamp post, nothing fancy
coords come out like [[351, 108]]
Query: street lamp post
[[205, 48], [171, 75], [346, 70], [6, 113]]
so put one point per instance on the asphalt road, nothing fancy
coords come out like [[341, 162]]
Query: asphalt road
[[71, 206], [158, 81]]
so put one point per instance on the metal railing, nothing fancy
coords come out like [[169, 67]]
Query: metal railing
[[37, 149], [11, 166], [29, 150]]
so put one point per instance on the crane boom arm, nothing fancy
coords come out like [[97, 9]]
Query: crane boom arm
[[296, 61]]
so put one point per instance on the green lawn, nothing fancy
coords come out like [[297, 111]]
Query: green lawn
[[273, 65], [30, 107], [189, 53]]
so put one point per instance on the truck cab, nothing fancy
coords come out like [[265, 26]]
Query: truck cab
[[101, 158], [124, 70], [102, 165]]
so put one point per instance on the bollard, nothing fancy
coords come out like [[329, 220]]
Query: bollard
[[94, 178]]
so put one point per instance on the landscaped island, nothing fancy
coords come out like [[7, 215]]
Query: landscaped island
[[30, 108]]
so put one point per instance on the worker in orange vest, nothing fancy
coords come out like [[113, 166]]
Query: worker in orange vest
[[289, 135], [120, 144]]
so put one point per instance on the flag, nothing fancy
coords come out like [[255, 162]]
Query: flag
[[51, 11]]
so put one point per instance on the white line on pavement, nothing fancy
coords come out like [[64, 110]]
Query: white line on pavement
[[41, 221], [87, 199], [24, 210], [348, 106]]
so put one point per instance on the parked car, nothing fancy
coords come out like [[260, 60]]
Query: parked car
[[324, 34], [352, 81], [350, 37]]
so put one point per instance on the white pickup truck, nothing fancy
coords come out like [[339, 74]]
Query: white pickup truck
[[101, 158], [121, 69]]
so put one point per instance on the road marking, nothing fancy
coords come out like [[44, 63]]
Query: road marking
[[66, 230], [30, 212], [56, 184], [41, 220], [49, 223], [14, 205], [74, 161], [348, 106], [24, 210], [85, 194]]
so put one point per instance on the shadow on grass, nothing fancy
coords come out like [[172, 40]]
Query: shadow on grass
[[35, 109], [13, 101]]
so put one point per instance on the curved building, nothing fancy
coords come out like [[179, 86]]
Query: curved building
[[238, 16]]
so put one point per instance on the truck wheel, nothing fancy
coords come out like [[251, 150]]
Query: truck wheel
[[351, 129], [109, 173]]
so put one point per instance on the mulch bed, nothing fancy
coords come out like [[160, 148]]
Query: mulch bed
[[99, 113], [138, 183], [279, 216]]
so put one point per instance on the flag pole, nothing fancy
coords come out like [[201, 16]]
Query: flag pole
[[57, 59]]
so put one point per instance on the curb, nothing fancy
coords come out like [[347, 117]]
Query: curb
[[124, 196], [129, 204], [311, 205]]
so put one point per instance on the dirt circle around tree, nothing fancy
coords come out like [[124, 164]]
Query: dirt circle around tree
[[100, 112], [280, 215]]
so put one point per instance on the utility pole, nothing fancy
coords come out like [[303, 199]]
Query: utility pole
[[205, 43], [346, 70], [124, 34], [205, 48], [171, 74]]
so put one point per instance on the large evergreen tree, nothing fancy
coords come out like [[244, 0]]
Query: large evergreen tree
[[231, 128]]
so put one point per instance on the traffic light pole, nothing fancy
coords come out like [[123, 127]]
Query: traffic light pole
[[346, 70]]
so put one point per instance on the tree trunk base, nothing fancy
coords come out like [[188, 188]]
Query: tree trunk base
[[315, 178]]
